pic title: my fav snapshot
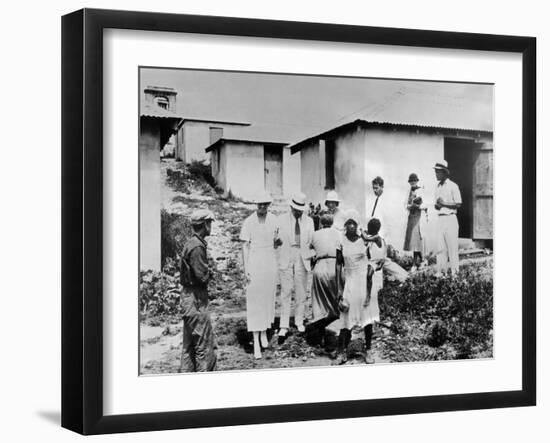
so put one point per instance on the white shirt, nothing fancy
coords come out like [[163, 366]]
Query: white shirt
[[259, 235], [450, 194], [378, 206]]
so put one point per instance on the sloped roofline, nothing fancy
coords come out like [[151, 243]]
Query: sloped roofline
[[295, 147], [218, 143]]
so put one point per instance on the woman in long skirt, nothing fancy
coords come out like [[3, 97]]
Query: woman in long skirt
[[324, 290], [362, 261], [414, 239], [258, 234]]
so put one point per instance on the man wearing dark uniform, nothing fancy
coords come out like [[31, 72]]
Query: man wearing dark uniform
[[199, 346]]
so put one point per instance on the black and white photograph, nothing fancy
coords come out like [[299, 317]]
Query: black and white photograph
[[290, 221]]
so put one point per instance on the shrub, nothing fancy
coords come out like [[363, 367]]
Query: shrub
[[202, 172], [159, 293], [457, 310]]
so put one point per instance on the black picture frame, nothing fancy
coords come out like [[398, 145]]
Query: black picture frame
[[82, 220]]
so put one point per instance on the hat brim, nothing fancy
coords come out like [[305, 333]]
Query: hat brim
[[297, 207], [332, 200], [259, 202], [441, 168]]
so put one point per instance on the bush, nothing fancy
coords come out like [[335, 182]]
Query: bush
[[456, 310], [201, 171], [159, 293]]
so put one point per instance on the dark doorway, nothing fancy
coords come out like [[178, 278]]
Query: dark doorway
[[459, 154]]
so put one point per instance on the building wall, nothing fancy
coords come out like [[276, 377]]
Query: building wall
[[361, 155], [291, 173], [310, 178], [149, 197], [218, 166], [195, 138], [349, 170], [244, 169]]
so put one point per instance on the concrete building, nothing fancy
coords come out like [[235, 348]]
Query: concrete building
[[158, 121], [348, 156], [246, 166], [195, 134]]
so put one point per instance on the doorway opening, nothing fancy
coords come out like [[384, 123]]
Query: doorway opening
[[459, 154]]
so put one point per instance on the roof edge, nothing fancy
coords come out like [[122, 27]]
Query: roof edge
[[223, 140], [295, 147]]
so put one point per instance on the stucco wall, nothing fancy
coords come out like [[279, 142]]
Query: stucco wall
[[291, 173], [149, 198], [195, 138], [218, 165], [310, 178], [244, 169], [349, 171]]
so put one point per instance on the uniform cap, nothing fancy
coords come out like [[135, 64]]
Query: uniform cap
[[201, 215]]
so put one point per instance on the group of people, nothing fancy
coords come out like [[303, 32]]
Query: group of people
[[347, 263]]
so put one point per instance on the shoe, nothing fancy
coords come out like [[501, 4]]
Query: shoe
[[263, 340], [342, 358], [369, 359], [257, 354], [301, 328], [283, 332], [414, 268]]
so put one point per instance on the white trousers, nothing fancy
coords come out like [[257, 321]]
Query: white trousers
[[294, 276], [447, 258]]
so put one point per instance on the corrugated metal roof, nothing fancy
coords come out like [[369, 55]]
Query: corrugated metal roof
[[295, 147], [148, 110], [419, 108], [219, 121], [417, 111]]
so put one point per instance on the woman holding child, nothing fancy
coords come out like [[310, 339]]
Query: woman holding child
[[361, 256]]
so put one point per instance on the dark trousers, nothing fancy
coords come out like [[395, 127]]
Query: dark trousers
[[199, 345]]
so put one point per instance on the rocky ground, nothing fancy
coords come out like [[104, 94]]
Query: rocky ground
[[161, 331]]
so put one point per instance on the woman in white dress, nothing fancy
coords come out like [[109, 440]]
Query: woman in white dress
[[362, 258], [259, 237]]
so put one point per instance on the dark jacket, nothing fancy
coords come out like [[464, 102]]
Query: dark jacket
[[194, 253]]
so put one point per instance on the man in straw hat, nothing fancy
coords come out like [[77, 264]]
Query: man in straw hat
[[199, 345], [447, 202], [260, 237], [296, 234]]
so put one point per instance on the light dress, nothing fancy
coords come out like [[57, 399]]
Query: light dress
[[262, 269], [356, 262]]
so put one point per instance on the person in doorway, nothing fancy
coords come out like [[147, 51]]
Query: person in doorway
[[295, 252], [259, 235], [332, 203], [362, 261], [199, 344], [447, 202], [416, 208], [378, 209]]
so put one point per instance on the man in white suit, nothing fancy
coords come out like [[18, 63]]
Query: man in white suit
[[295, 237]]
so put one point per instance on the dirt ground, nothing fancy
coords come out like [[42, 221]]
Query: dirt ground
[[161, 336]]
